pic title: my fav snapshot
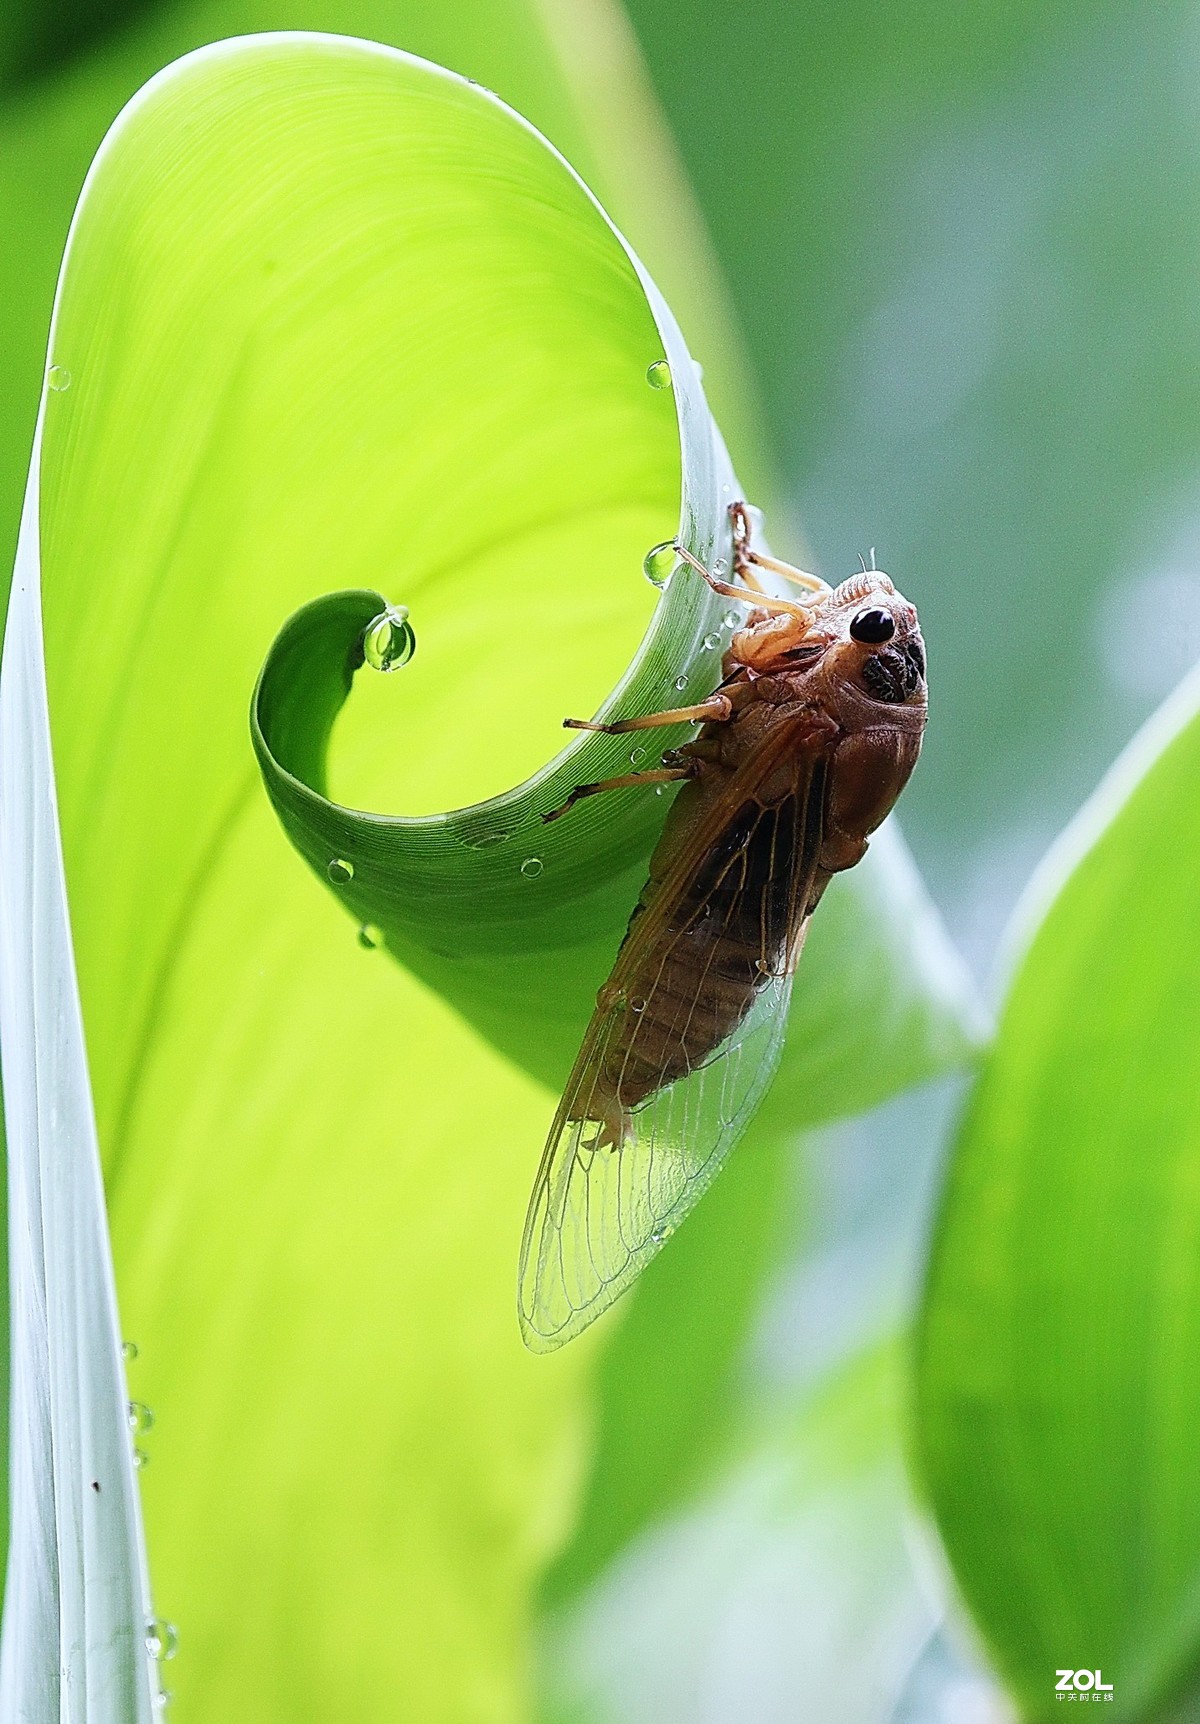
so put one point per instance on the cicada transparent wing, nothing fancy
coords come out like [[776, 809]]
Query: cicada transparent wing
[[679, 1053]]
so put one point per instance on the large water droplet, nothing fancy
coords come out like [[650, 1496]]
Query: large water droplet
[[658, 563], [162, 1639], [58, 378], [141, 1418], [129, 1351], [370, 936], [532, 867], [388, 639], [339, 871], [658, 375]]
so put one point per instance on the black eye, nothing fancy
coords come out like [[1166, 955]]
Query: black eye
[[872, 627]]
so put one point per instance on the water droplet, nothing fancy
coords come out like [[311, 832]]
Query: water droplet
[[58, 378], [532, 867], [129, 1351], [388, 639], [732, 619], [638, 1005], [339, 871], [370, 936], [699, 370], [681, 683], [141, 1418], [658, 563], [636, 756], [485, 840], [140, 1459], [660, 789], [658, 375], [660, 1234], [162, 1639], [720, 566], [711, 641], [163, 1699]]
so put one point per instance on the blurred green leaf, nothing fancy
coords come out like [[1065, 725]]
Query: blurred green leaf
[[1058, 1376], [785, 1590]]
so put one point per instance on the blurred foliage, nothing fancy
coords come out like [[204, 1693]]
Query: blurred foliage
[[1059, 1390]]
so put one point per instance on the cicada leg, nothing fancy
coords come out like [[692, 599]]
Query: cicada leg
[[625, 781], [743, 556], [715, 709]]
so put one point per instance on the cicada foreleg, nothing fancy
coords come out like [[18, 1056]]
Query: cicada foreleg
[[715, 709]]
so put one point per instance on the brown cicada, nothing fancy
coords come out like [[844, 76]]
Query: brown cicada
[[802, 751]]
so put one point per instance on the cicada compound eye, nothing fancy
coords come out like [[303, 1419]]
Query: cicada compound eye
[[873, 627]]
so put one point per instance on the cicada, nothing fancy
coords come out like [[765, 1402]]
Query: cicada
[[802, 751]]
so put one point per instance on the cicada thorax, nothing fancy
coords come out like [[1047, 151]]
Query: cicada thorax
[[736, 925]]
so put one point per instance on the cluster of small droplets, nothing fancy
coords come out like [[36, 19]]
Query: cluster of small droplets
[[388, 639]]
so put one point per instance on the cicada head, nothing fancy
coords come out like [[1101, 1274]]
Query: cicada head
[[874, 640]]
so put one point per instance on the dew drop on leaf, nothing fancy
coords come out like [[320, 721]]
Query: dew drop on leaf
[[711, 642], [140, 1459], [658, 375], [141, 1418], [162, 1639], [532, 867], [388, 639], [658, 563], [339, 871], [58, 378], [129, 1351], [370, 936], [681, 683]]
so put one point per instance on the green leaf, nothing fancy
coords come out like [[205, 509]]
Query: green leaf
[[77, 1617], [1059, 1383], [337, 322]]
